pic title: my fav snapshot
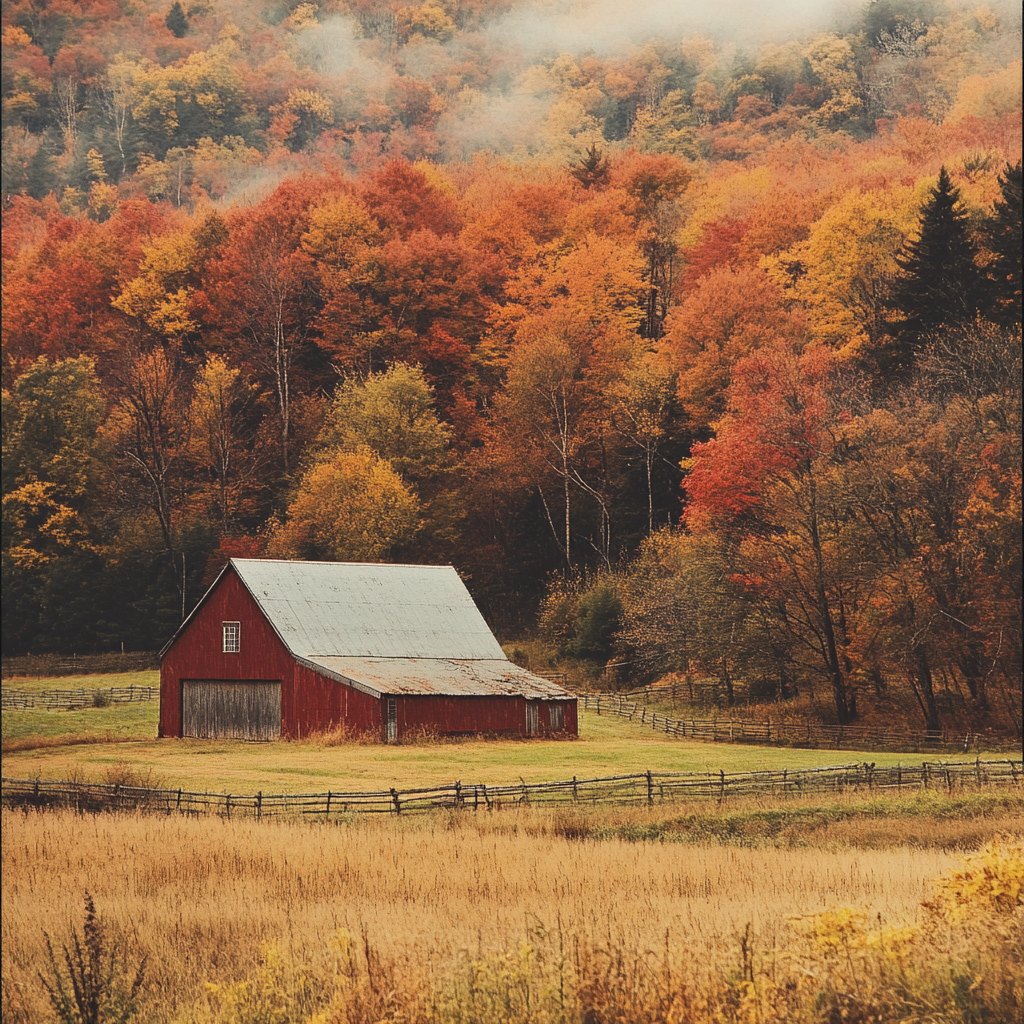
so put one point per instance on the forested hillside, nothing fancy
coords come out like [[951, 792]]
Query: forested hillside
[[700, 339]]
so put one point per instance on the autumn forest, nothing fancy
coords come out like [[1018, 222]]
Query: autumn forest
[[691, 344]]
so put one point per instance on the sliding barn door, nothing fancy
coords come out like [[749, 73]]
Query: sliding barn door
[[218, 709]]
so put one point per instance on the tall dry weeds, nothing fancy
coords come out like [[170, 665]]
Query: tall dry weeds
[[447, 919]]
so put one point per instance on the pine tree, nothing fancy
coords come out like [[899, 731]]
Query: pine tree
[[592, 170], [176, 20], [1003, 237], [941, 286]]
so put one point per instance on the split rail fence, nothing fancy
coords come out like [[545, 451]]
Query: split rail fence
[[59, 700], [798, 734], [644, 788]]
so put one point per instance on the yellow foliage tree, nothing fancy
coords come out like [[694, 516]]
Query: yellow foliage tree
[[832, 59], [215, 443], [350, 506], [159, 295], [839, 272]]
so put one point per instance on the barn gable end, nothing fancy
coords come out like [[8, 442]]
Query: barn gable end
[[382, 649]]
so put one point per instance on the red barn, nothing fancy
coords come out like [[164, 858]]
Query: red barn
[[283, 649]]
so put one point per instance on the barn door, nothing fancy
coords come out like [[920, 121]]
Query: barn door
[[532, 718], [219, 709]]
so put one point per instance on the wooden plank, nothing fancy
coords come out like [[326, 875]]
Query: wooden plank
[[223, 709]]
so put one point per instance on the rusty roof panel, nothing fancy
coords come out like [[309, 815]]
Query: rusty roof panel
[[334, 609], [441, 677]]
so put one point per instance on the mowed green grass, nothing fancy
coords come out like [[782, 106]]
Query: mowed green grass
[[606, 746], [137, 721]]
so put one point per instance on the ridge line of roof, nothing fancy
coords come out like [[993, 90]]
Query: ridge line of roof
[[376, 565]]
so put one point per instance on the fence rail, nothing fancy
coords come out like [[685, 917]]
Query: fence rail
[[800, 733], [43, 665], [644, 788], [58, 700]]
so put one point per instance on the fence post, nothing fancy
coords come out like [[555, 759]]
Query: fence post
[[721, 773], [227, 804], [458, 793], [328, 811], [177, 805], [575, 791], [650, 788], [259, 805], [395, 801]]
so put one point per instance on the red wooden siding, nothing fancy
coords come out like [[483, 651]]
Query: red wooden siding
[[315, 702], [451, 715], [309, 701]]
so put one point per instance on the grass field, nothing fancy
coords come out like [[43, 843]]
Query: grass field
[[606, 746], [459, 918], [91, 682], [682, 913]]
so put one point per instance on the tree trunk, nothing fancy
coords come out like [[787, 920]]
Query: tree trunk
[[844, 711]]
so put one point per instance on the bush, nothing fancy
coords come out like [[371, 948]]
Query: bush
[[597, 621]]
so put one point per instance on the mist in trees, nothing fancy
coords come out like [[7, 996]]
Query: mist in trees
[[705, 333]]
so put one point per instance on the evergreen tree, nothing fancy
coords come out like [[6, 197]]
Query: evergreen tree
[[176, 20], [1003, 237], [941, 286], [592, 170]]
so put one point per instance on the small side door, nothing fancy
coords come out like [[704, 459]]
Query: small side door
[[391, 720], [532, 718]]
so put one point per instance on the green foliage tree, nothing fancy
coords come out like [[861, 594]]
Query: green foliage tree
[[1003, 238], [597, 620], [51, 472], [592, 170], [391, 414], [177, 21], [940, 285]]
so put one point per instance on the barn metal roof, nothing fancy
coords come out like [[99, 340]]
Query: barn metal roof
[[346, 609], [439, 677], [395, 629]]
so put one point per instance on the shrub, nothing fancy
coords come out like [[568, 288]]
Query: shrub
[[99, 987], [597, 620]]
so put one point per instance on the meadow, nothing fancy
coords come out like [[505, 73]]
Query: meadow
[[497, 917], [97, 743], [582, 915]]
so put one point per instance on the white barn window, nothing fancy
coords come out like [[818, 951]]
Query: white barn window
[[232, 637]]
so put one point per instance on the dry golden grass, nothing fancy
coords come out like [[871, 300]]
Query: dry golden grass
[[204, 897]]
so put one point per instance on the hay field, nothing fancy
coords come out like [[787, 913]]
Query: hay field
[[299, 915]]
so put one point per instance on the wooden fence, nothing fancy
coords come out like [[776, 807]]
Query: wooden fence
[[797, 734], [58, 700], [644, 788], [38, 666]]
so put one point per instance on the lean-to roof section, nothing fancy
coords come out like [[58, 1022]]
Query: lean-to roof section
[[439, 677], [354, 610]]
